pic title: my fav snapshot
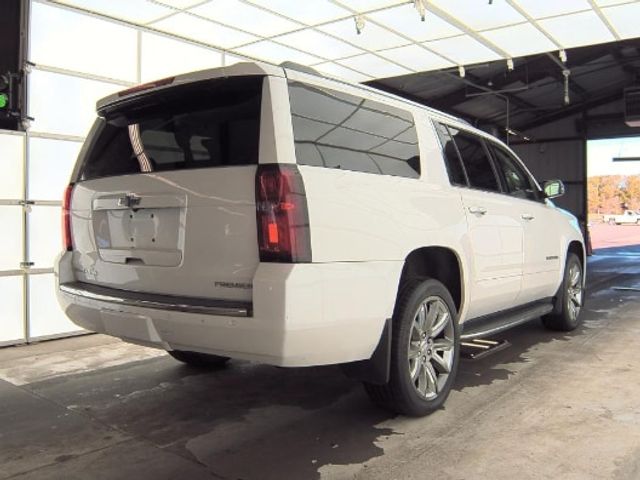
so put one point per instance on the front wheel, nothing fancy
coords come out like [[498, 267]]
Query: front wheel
[[197, 359], [425, 348], [568, 304]]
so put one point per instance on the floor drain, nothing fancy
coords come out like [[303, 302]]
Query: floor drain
[[479, 348]]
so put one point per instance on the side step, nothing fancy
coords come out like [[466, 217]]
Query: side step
[[498, 322]]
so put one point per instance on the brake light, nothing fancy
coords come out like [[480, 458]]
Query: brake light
[[282, 216], [147, 86], [67, 243]]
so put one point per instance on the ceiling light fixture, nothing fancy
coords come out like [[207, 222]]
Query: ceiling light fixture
[[563, 56], [359, 20], [510, 64], [421, 7], [461, 71]]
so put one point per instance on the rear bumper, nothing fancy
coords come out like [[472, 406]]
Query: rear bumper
[[157, 302], [301, 314]]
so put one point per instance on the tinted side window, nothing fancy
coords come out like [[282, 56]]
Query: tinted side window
[[476, 160], [515, 177], [451, 158], [335, 130]]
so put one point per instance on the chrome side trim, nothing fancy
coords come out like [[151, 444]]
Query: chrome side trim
[[160, 302]]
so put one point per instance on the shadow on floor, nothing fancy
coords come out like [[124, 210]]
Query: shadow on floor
[[255, 421]]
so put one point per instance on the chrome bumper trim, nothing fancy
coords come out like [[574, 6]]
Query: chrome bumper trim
[[227, 308]]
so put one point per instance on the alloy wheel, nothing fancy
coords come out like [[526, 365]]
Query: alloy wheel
[[431, 347], [574, 291]]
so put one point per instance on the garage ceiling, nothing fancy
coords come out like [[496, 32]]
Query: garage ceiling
[[394, 41], [534, 93]]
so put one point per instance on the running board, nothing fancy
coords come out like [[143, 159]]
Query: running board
[[495, 323]]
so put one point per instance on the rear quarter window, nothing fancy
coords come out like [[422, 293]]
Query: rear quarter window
[[336, 130]]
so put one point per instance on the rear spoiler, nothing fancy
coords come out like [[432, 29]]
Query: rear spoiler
[[239, 69]]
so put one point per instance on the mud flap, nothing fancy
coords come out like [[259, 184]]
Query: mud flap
[[376, 369]]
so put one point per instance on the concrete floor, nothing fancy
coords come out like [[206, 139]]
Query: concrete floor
[[550, 406]]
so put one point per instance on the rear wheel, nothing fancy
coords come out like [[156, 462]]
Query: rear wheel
[[425, 349], [566, 314], [197, 359]]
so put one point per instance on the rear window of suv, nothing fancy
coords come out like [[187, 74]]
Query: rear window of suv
[[337, 130], [213, 123]]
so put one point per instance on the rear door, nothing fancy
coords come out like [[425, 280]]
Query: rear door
[[164, 200], [541, 243], [495, 232]]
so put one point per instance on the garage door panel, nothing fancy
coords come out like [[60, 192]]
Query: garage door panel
[[12, 301], [45, 315]]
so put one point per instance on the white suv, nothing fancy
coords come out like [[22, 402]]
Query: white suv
[[270, 214]]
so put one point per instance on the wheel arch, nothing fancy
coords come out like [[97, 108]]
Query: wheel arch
[[437, 262], [577, 248], [440, 263]]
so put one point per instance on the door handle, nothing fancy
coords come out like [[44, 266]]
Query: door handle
[[478, 210], [527, 216]]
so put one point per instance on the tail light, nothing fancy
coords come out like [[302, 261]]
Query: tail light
[[67, 243], [281, 212]]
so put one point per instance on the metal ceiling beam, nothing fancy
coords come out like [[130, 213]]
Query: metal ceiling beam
[[535, 70], [472, 81], [514, 4], [623, 63], [466, 29], [604, 19], [460, 95], [410, 40], [572, 110]]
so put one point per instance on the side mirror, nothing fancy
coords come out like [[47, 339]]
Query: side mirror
[[553, 188]]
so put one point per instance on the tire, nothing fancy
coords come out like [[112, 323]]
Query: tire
[[197, 359], [419, 397], [569, 300]]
